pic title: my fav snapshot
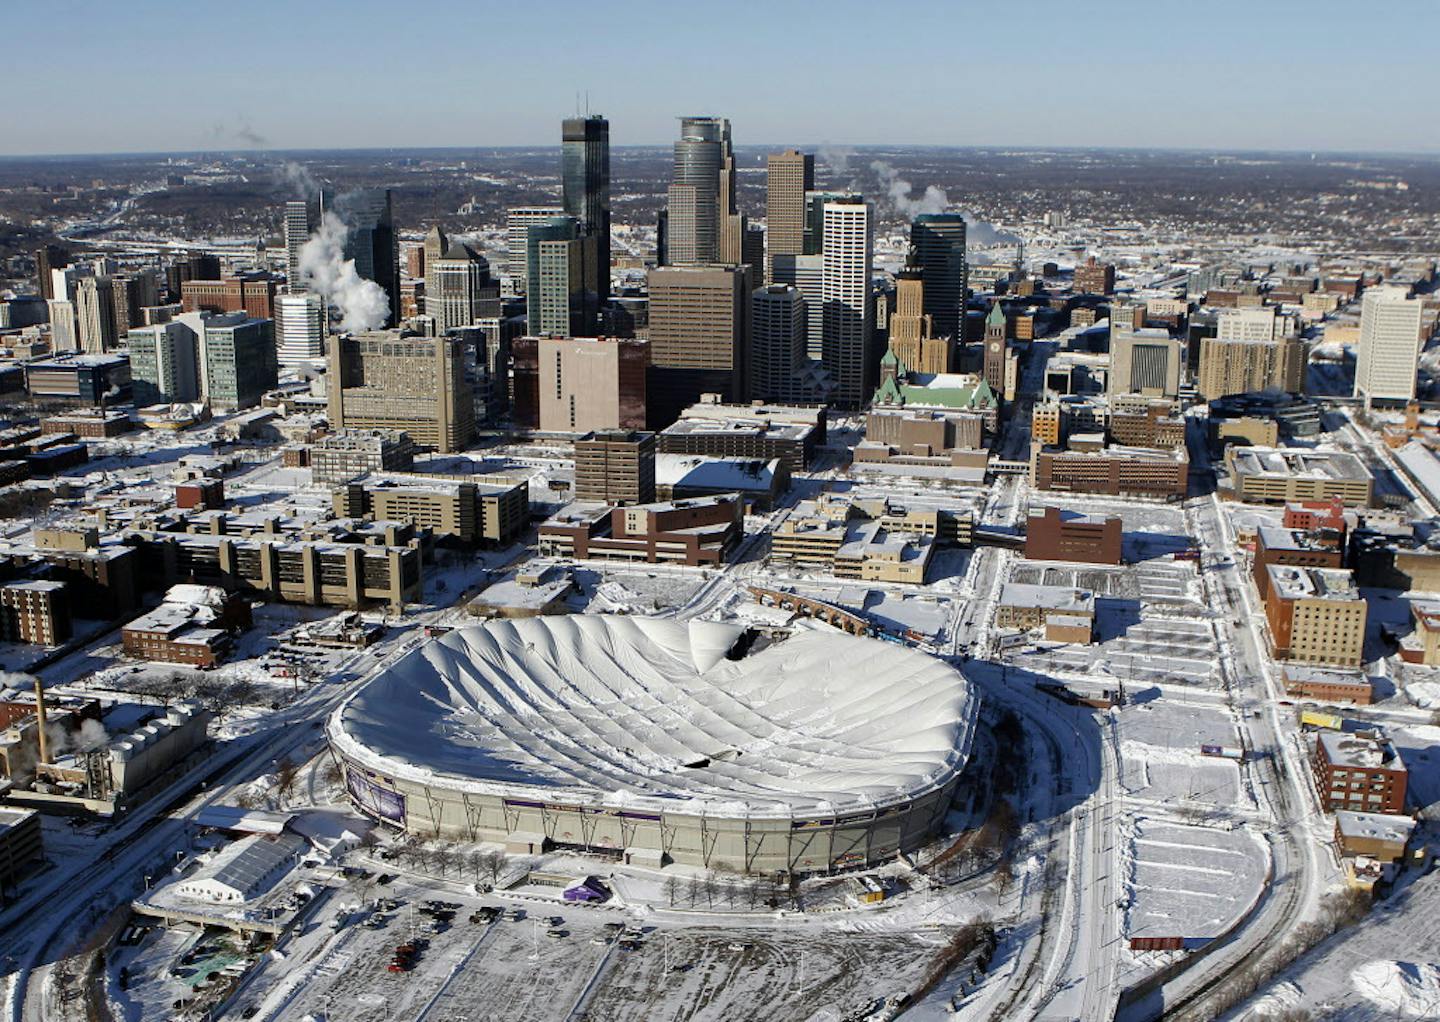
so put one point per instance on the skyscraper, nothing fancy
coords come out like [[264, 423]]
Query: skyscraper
[[380, 380], [997, 330], [788, 176], [47, 258], [815, 217], [372, 242], [806, 272], [95, 314], [302, 218], [517, 241], [585, 180], [237, 360], [939, 243], [699, 336], [777, 349], [912, 332], [300, 326], [693, 229], [458, 287], [1385, 364], [164, 363], [562, 293], [848, 314]]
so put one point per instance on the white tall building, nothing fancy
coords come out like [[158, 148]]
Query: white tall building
[[302, 219], [1263, 324], [847, 312], [517, 242], [777, 341], [64, 334], [95, 314], [1386, 363], [300, 328], [806, 272]]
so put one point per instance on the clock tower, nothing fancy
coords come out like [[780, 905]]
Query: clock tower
[[994, 362]]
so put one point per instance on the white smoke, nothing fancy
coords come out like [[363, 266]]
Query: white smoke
[[897, 190], [981, 232], [934, 200], [298, 179], [57, 740], [91, 736], [837, 158], [363, 303]]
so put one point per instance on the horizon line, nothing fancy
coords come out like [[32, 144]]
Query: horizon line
[[814, 149]]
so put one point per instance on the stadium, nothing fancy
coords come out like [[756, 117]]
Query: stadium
[[659, 740]]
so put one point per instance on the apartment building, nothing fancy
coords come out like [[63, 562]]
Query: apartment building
[[1315, 615], [36, 611], [1360, 772], [489, 510]]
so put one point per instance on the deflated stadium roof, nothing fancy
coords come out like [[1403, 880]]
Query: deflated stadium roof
[[630, 711]]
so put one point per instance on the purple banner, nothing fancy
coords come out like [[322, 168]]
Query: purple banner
[[373, 799]]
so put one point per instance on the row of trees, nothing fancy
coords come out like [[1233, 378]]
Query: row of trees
[[732, 891]]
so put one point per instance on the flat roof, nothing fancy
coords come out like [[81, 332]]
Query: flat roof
[[1294, 582], [1359, 750], [1060, 598], [1303, 463], [1389, 827]]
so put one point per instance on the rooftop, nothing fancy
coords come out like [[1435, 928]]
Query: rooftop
[[1359, 750], [1059, 598], [1388, 827], [1292, 462], [1297, 583]]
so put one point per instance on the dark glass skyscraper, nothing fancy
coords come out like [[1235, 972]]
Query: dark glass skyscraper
[[585, 174], [939, 243], [372, 241]]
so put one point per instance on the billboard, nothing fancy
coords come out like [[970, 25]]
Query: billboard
[[373, 799]]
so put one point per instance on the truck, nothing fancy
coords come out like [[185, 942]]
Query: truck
[[1318, 720]]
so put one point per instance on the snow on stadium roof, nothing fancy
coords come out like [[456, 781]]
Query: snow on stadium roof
[[639, 712]]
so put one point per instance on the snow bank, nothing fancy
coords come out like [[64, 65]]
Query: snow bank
[[1404, 988]]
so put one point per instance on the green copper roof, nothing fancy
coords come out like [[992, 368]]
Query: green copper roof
[[997, 315]]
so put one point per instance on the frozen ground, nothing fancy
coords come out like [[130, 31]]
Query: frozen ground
[[1380, 971]]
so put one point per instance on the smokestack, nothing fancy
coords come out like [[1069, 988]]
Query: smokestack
[[40, 718]]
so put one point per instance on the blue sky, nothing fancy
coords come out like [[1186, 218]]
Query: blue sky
[[146, 75]]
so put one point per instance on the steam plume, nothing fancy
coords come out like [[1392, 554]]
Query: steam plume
[[897, 190], [363, 303]]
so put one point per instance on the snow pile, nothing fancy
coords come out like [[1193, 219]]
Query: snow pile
[[1405, 989], [629, 711]]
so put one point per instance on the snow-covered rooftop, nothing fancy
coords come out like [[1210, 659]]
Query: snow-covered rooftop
[[649, 713]]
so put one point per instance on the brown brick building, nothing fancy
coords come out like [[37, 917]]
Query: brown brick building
[[1095, 278], [689, 532], [252, 294], [615, 467], [35, 611], [1117, 471], [1293, 547], [1091, 539], [1360, 772]]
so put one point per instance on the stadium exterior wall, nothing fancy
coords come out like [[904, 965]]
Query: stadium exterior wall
[[800, 844]]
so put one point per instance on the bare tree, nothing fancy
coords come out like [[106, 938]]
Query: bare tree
[[692, 890], [672, 887], [286, 773]]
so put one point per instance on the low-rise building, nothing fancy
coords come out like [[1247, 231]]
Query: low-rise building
[[1066, 613], [1422, 646], [1299, 549], [91, 424], [1270, 475], [1379, 836], [35, 611], [21, 845], [80, 379], [690, 532], [193, 625], [1054, 535], [343, 456], [816, 530], [491, 510], [1327, 686], [278, 567], [1315, 615], [1113, 470], [1361, 772], [788, 432], [682, 476]]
